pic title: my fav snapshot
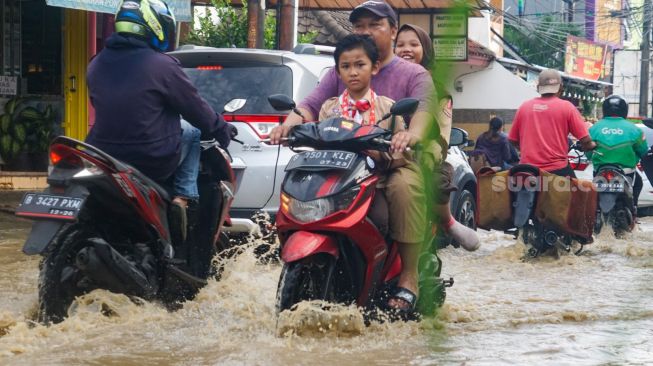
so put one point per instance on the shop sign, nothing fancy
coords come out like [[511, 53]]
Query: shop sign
[[606, 24], [180, 8], [586, 59], [8, 85], [450, 24], [450, 48], [450, 36]]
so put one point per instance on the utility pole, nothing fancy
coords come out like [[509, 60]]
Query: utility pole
[[255, 23], [646, 62], [570, 10], [287, 24]]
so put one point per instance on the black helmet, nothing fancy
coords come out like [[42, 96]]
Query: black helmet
[[150, 20], [615, 106]]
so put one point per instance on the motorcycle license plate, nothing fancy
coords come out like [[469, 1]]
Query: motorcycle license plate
[[47, 206], [610, 187], [322, 159]]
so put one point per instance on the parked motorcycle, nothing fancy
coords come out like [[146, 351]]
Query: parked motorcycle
[[533, 213], [616, 203], [101, 224], [331, 247]]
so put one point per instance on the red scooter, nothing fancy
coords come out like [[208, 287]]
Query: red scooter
[[332, 248], [101, 224]]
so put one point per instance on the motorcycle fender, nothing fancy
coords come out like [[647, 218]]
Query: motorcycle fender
[[607, 201], [43, 231], [523, 207], [302, 244]]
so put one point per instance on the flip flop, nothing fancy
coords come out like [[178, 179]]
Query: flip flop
[[178, 223], [403, 313]]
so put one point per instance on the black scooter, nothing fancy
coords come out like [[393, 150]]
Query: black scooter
[[101, 224], [616, 203]]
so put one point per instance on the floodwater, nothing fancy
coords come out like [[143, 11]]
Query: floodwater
[[592, 309]]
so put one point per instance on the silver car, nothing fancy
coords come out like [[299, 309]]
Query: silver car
[[224, 74]]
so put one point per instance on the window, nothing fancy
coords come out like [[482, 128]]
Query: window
[[41, 48]]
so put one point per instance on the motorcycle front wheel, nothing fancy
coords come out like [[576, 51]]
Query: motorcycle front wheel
[[307, 279]]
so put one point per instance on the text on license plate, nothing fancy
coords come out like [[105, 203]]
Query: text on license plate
[[44, 205]]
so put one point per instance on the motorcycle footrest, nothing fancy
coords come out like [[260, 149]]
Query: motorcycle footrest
[[187, 278]]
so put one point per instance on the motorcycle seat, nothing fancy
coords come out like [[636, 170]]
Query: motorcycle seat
[[157, 187]]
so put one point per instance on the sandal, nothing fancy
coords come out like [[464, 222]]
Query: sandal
[[178, 223], [403, 313]]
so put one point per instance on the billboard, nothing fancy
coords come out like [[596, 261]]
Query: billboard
[[180, 8], [587, 59], [603, 21]]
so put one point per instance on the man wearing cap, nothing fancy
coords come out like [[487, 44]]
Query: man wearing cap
[[541, 127], [396, 79]]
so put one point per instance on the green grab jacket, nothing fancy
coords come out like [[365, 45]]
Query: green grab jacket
[[618, 142]]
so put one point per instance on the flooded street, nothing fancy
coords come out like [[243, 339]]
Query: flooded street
[[591, 309]]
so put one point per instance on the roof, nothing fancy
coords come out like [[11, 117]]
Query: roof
[[508, 61], [402, 6], [330, 25]]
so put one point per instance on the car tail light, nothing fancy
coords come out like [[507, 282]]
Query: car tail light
[[209, 67], [261, 124]]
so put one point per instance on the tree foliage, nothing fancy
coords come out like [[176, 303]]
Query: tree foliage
[[541, 42], [230, 29]]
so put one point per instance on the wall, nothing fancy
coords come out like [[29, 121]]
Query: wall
[[626, 79], [494, 91]]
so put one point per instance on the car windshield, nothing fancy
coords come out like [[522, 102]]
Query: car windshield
[[220, 84]]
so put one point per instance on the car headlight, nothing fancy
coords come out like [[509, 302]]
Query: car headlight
[[309, 211]]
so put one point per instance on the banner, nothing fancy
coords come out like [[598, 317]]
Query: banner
[[587, 59], [180, 8]]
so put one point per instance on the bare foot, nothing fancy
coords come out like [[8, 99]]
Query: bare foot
[[180, 201]]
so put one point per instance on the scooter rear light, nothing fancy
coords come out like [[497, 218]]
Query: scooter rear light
[[261, 124], [579, 166], [639, 167], [63, 154], [67, 157], [608, 175]]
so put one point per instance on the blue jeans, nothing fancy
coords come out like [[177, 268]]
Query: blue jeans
[[185, 177]]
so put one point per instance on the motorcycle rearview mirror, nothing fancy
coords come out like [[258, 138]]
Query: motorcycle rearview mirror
[[404, 106], [457, 137], [281, 102], [648, 122], [234, 105]]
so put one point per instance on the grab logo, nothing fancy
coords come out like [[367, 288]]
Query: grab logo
[[612, 131]]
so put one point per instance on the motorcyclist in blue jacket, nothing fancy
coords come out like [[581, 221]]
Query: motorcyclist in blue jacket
[[139, 93]]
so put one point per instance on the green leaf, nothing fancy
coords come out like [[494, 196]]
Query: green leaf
[[20, 133], [5, 145], [15, 147], [30, 114], [5, 120]]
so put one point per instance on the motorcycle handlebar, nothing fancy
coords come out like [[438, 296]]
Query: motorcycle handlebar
[[381, 141], [377, 140]]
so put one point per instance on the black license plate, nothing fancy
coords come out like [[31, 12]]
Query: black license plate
[[610, 187], [47, 206], [322, 159]]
